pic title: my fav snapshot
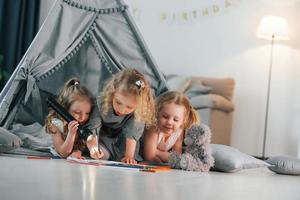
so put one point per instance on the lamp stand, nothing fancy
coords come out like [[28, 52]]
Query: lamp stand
[[267, 103]]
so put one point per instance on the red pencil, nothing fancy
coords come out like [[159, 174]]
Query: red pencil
[[38, 158]]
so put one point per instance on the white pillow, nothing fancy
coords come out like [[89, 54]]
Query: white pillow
[[196, 90], [202, 101], [178, 83]]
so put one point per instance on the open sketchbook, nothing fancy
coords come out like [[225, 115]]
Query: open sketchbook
[[50, 153], [142, 167]]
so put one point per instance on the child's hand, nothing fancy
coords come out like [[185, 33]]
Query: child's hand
[[96, 153], [92, 145], [129, 152], [128, 160], [73, 127], [76, 154]]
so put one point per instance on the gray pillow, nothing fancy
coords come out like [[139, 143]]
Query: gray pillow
[[8, 140], [196, 90], [229, 159], [33, 136], [284, 165]]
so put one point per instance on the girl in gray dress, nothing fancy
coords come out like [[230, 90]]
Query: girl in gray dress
[[125, 106]]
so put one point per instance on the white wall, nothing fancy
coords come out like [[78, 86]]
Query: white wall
[[222, 43]]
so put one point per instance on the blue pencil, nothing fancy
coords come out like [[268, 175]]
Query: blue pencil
[[125, 165]]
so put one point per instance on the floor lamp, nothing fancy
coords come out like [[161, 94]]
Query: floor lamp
[[271, 28]]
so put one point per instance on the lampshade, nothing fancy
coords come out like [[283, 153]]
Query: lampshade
[[273, 26]]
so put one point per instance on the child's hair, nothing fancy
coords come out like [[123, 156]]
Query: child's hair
[[130, 81], [191, 116], [72, 91]]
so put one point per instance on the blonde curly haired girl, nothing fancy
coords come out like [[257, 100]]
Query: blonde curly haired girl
[[125, 106]]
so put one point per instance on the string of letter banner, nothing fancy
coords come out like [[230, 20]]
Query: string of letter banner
[[185, 15]]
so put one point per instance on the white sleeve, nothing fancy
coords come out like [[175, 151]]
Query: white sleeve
[[58, 123]]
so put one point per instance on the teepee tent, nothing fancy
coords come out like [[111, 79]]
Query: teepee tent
[[89, 39]]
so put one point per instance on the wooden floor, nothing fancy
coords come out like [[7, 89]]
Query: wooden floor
[[28, 179]]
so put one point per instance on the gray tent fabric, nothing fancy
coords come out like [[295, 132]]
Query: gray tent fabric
[[89, 39]]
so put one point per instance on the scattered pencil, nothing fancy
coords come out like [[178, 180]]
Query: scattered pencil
[[38, 158], [147, 170]]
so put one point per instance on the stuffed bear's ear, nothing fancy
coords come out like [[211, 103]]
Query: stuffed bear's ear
[[188, 141]]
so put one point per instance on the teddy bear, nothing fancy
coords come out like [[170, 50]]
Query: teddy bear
[[197, 153]]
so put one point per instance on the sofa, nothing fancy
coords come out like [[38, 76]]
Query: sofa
[[212, 98]]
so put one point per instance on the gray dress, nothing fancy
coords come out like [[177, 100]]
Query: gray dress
[[115, 130]]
